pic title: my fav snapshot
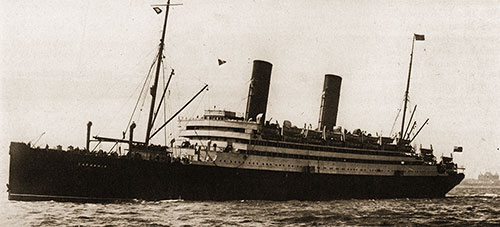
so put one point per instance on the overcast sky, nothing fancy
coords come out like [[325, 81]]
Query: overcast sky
[[64, 63]]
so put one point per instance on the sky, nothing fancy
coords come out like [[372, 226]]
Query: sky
[[66, 63]]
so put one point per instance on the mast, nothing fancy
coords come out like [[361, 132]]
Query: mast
[[419, 38], [155, 85]]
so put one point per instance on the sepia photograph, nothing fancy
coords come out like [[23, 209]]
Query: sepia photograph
[[250, 113]]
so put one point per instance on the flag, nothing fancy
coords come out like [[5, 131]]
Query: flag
[[419, 37], [221, 61], [157, 10], [457, 149]]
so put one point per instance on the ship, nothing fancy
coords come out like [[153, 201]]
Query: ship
[[223, 155], [487, 179]]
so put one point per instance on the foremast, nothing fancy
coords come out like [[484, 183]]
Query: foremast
[[154, 88]]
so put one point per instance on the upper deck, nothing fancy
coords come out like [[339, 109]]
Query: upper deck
[[219, 125], [227, 126]]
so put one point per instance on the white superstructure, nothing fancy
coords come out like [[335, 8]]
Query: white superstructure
[[222, 139]]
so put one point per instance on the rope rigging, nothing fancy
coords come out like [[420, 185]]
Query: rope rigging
[[163, 95], [164, 102], [396, 119], [142, 95], [399, 112]]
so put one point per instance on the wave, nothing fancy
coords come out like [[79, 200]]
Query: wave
[[483, 195]]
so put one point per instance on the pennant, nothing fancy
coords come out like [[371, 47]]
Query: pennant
[[221, 62], [457, 149], [419, 37], [157, 10]]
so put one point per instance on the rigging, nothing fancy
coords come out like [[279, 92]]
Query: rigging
[[415, 38], [158, 67]]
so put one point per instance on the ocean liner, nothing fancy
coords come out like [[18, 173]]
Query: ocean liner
[[225, 156]]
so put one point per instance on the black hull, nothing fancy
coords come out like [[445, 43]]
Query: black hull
[[56, 175]]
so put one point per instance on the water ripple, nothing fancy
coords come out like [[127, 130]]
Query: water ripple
[[463, 206]]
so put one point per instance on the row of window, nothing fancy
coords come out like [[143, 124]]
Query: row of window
[[324, 168], [217, 138], [321, 148], [335, 159], [83, 164], [215, 128], [304, 146]]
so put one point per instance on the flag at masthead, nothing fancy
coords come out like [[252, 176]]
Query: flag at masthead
[[418, 38], [158, 67]]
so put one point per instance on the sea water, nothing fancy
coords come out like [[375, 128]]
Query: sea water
[[462, 206]]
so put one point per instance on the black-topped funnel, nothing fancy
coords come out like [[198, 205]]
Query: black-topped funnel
[[258, 92], [329, 102]]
